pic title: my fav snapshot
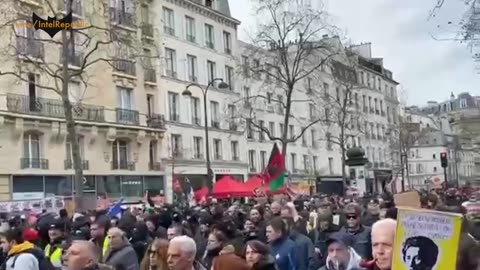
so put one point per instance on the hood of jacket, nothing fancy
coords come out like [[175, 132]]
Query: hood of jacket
[[16, 249], [353, 262]]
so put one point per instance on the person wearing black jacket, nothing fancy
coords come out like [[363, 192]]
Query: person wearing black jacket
[[319, 235]]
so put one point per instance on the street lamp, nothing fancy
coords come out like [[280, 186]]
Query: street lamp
[[188, 93]]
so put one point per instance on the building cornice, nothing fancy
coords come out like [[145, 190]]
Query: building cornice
[[207, 12]]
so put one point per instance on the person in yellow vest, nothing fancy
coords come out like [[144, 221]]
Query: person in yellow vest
[[53, 250], [98, 232]]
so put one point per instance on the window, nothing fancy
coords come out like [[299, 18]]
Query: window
[[31, 150], [313, 136], [168, 21], [150, 105], [173, 106], [196, 111], [125, 98], [209, 3], [152, 153], [330, 165], [311, 111], [271, 128], [176, 145], [435, 169], [249, 130], [292, 131], [293, 162], [246, 95], [281, 129], [306, 165], [329, 141], [463, 103], [197, 147], [231, 111], [75, 94], [326, 90], [123, 11], [217, 149], [211, 71], [304, 139], [280, 104], [69, 150], [269, 97], [379, 84], [261, 133], [337, 91], [229, 77], [214, 114], [170, 63], [77, 8], [209, 36], [263, 159], [192, 68], [120, 155], [256, 69], [227, 42], [145, 14], [251, 160], [190, 29], [315, 163], [362, 80], [234, 149], [245, 66]]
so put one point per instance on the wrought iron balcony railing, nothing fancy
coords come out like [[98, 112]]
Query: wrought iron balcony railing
[[123, 165], [30, 47], [155, 166], [34, 163], [127, 116], [120, 17], [53, 108], [125, 66], [68, 163], [156, 121], [147, 30], [150, 75]]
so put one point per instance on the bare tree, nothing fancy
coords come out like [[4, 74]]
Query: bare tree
[[107, 35], [341, 109], [288, 47]]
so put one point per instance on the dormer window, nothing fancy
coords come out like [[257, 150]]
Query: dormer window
[[209, 3]]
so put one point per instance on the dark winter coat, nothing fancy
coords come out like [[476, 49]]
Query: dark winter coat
[[283, 251]]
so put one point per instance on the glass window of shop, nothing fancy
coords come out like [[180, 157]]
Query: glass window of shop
[[132, 186], [58, 185], [154, 185], [109, 186], [27, 183]]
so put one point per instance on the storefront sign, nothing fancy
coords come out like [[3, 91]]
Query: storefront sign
[[23, 196]]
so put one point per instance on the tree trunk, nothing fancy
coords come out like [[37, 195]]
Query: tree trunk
[[70, 121]]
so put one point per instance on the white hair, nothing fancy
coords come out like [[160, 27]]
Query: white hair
[[383, 225], [187, 245]]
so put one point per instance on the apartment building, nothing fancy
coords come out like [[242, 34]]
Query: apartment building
[[119, 123], [199, 45], [380, 106]]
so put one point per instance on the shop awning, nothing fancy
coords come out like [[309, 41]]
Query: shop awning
[[228, 187]]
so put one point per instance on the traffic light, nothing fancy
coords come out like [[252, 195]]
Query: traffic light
[[444, 159]]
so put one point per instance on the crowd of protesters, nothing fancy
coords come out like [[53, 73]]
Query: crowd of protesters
[[321, 233]]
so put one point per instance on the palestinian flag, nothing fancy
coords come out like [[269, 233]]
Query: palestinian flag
[[274, 174]]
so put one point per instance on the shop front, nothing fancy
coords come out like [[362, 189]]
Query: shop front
[[129, 187]]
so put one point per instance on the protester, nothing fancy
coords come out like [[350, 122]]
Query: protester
[[383, 238], [181, 254], [282, 247], [360, 233], [258, 256], [340, 254], [83, 255], [19, 252], [120, 253], [157, 256]]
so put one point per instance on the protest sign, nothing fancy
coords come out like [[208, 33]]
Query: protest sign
[[407, 199], [426, 239]]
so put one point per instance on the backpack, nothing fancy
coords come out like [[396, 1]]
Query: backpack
[[43, 262]]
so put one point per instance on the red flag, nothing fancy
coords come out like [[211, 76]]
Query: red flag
[[274, 172]]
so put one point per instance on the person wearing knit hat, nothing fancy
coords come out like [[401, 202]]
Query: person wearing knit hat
[[30, 235], [340, 254]]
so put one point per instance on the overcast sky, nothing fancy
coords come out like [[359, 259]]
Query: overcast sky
[[401, 33]]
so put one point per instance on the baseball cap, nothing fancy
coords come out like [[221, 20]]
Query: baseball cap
[[340, 237]]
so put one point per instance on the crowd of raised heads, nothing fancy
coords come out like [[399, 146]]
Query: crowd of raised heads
[[318, 233]]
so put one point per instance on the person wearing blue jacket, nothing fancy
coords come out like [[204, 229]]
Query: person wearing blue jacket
[[282, 247]]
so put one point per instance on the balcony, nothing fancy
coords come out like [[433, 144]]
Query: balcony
[[125, 66], [150, 75], [210, 44], [126, 116], [74, 59], [147, 30], [192, 78], [216, 124], [68, 164], [171, 73], [34, 163], [155, 166], [177, 153], [120, 17], [191, 38], [53, 108], [233, 126], [235, 157], [196, 121], [174, 117], [198, 156], [169, 30], [30, 47], [156, 121], [217, 156], [123, 165]]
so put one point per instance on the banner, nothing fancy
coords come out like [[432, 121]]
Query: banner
[[50, 204], [426, 239]]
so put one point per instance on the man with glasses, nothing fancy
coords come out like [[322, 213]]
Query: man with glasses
[[361, 234]]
